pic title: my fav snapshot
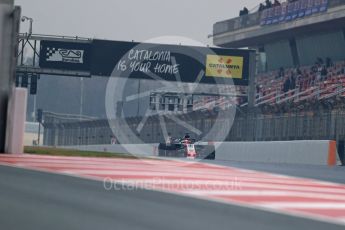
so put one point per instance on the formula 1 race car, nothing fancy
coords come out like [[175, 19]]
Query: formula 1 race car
[[186, 148]]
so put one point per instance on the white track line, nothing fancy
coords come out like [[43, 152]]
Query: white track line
[[263, 193], [304, 205], [185, 181]]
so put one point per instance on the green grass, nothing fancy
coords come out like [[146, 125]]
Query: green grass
[[71, 152]]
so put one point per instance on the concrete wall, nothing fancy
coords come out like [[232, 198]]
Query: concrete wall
[[6, 64], [29, 138], [291, 152], [16, 121], [323, 45], [257, 34], [139, 150]]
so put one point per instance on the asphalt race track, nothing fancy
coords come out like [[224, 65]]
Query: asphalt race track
[[32, 199], [331, 174]]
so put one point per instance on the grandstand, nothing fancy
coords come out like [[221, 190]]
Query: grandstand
[[296, 63], [298, 86]]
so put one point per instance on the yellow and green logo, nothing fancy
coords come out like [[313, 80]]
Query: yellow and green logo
[[224, 66]]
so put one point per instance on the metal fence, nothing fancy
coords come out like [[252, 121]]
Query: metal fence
[[312, 126], [309, 126]]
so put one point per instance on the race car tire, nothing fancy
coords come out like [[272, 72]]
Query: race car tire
[[207, 152], [171, 150]]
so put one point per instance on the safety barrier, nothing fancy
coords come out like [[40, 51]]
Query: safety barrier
[[311, 152], [290, 152], [16, 121], [135, 149]]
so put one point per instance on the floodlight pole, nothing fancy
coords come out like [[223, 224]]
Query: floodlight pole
[[251, 83], [251, 97], [25, 18]]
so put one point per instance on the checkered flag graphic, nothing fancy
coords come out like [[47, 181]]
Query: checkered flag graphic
[[50, 51], [64, 55]]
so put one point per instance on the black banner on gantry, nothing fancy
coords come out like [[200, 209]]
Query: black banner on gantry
[[65, 55], [170, 62]]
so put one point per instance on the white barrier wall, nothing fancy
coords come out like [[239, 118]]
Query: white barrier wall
[[291, 152], [16, 121], [139, 150]]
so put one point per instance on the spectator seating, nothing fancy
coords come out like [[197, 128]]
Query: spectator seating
[[310, 85]]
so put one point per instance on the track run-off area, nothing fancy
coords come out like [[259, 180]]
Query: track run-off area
[[300, 197]]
